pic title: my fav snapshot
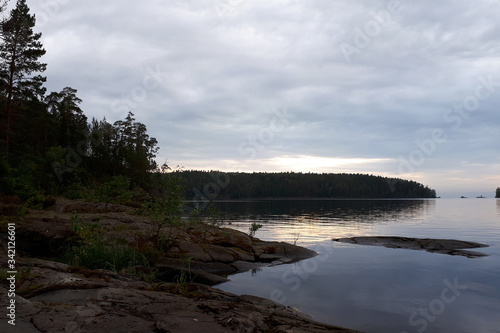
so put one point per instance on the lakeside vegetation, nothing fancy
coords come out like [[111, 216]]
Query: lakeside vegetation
[[497, 194]]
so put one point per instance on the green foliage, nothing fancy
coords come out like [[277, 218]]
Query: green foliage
[[184, 277], [46, 144], [71, 122], [143, 273], [20, 51], [93, 251], [102, 254], [166, 209], [213, 216], [254, 228], [116, 190], [123, 148]]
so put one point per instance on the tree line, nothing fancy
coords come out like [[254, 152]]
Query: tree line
[[497, 194], [47, 144], [210, 185]]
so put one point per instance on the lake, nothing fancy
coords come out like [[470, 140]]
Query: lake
[[377, 289]]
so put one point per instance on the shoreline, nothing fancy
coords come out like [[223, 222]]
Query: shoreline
[[56, 296]]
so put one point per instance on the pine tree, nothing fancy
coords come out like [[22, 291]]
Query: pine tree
[[64, 107], [20, 52]]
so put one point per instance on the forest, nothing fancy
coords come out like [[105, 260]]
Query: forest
[[213, 185], [48, 146], [497, 193]]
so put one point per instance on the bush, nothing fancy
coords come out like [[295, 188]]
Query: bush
[[101, 254], [117, 190], [93, 251]]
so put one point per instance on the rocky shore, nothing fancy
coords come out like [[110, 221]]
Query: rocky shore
[[443, 246], [174, 294]]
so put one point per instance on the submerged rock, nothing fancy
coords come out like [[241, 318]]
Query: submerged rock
[[444, 246]]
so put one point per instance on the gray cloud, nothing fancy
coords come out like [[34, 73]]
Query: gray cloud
[[226, 66]]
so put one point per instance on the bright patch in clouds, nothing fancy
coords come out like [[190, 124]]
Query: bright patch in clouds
[[305, 163]]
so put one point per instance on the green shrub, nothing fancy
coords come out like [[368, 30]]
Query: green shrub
[[101, 254], [92, 251]]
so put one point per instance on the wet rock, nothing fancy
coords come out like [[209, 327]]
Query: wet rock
[[444, 246]]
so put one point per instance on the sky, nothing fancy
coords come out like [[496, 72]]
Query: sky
[[397, 88]]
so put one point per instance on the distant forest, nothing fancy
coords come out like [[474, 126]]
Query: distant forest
[[203, 185], [497, 194]]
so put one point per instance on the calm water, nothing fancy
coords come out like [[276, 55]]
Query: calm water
[[375, 289]]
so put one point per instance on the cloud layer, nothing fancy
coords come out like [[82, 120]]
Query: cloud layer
[[322, 86]]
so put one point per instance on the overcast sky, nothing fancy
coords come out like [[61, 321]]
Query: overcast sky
[[395, 88]]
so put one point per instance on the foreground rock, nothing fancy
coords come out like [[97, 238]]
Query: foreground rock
[[53, 297], [171, 295], [444, 246], [209, 253]]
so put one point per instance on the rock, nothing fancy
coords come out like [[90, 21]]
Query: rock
[[220, 254], [83, 206], [100, 301], [270, 251], [171, 273], [209, 267], [444, 246], [191, 250], [232, 238]]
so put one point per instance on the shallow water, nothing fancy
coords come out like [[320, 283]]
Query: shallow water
[[376, 289]]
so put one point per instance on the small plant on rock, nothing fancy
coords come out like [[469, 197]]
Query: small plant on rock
[[254, 228], [167, 208]]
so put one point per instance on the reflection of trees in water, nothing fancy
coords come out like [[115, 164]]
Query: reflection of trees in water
[[318, 211], [498, 206]]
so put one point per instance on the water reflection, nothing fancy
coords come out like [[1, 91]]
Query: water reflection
[[340, 210], [307, 221], [375, 289]]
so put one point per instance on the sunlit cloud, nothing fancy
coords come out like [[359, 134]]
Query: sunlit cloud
[[307, 163]]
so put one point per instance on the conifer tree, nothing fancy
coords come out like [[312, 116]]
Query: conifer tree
[[64, 107], [20, 66]]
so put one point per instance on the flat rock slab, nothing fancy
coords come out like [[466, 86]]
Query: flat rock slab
[[444, 246]]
